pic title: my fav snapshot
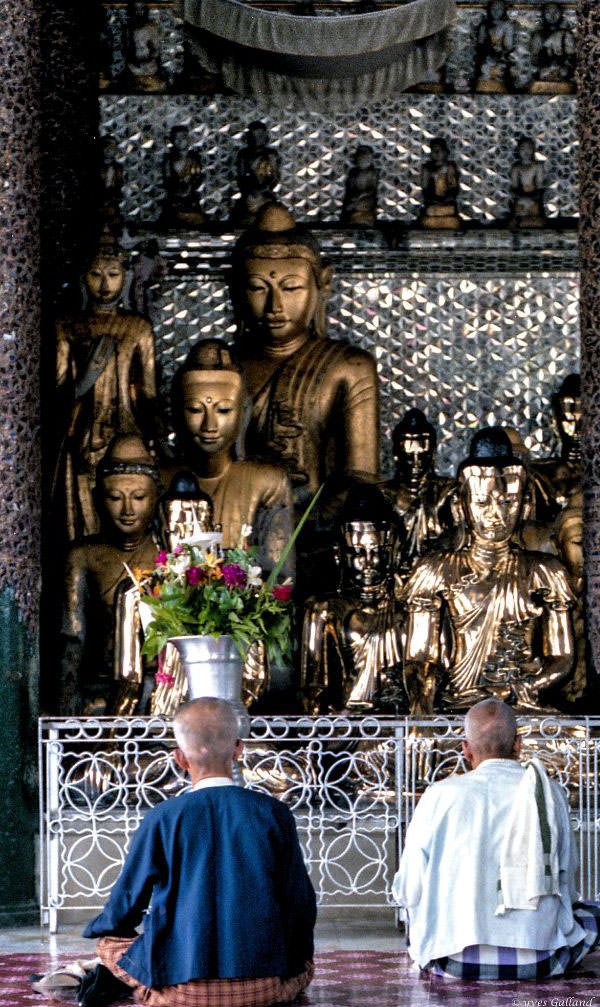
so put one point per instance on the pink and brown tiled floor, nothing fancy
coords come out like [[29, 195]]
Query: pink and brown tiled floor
[[376, 974]]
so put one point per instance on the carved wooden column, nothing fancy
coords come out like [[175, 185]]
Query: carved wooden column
[[20, 463], [589, 168]]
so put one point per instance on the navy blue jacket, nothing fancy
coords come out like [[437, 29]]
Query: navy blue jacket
[[231, 897]]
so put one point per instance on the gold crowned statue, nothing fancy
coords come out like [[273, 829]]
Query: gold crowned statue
[[488, 618], [209, 407], [315, 401], [106, 378], [440, 183], [352, 642], [419, 495], [100, 645], [562, 474]]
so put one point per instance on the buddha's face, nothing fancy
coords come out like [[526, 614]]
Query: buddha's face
[[282, 298], [212, 409], [415, 455], [179, 139], [257, 137], [104, 280], [497, 10], [570, 537], [493, 502], [366, 553], [551, 15], [130, 501], [568, 417], [526, 152], [439, 153]]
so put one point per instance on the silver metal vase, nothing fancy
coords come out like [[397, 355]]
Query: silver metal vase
[[213, 667]]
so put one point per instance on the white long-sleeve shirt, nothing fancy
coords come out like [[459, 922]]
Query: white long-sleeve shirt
[[448, 874]]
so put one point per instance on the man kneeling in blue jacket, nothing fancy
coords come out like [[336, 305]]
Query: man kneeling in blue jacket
[[232, 908]]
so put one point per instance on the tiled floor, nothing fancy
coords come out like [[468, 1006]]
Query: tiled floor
[[351, 972]]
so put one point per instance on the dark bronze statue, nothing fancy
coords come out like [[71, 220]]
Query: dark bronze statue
[[352, 642], [101, 671], [258, 168], [440, 184], [495, 48], [360, 198], [562, 474], [554, 51], [182, 177], [527, 185], [110, 184], [315, 402], [488, 618], [106, 380], [419, 495], [143, 72]]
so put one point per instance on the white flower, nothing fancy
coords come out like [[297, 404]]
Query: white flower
[[246, 531], [254, 576]]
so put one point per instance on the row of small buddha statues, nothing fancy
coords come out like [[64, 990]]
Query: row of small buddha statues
[[552, 46], [258, 174], [432, 592]]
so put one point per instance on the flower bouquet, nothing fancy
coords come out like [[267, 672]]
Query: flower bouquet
[[196, 590]]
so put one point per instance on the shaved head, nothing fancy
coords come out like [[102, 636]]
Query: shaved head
[[491, 729], [206, 731]]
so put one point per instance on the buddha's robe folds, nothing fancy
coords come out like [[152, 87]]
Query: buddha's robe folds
[[420, 512], [495, 618], [106, 379], [315, 412]]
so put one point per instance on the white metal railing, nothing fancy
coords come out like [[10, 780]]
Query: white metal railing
[[351, 782]]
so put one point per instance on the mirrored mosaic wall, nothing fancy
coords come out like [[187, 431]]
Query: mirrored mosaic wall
[[459, 70], [316, 150], [469, 351]]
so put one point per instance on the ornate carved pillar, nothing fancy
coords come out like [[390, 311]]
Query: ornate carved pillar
[[589, 168], [20, 462]]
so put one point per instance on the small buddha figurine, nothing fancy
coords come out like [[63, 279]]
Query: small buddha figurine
[[110, 182], [360, 198], [186, 513], [488, 618], [351, 656], [209, 401], [315, 401], [440, 184], [144, 72], [562, 474], [419, 495], [258, 170], [182, 177], [94, 676], [554, 50], [569, 536], [528, 185], [106, 384], [495, 47]]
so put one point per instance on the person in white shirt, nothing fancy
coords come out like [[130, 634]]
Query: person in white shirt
[[487, 875]]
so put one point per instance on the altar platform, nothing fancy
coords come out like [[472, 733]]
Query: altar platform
[[361, 961]]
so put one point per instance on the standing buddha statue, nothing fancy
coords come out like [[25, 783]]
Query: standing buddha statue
[[315, 401]]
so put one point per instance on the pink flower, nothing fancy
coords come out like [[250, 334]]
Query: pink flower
[[194, 575], [161, 559], [177, 551], [234, 576], [283, 593], [163, 677]]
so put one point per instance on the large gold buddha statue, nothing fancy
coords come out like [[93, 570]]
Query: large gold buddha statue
[[209, 402], [418, 493], [562, 474], [488, 618], [106, 378], [126, 494], [351, 653], [315, 402]]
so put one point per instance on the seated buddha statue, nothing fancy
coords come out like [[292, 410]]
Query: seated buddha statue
[[93, 678], [315, 400], [351, 653], [143, 72], [488, 618], [209, 402], [528, 186], [562, 473], [106, 384], [182, 176], [495, 48], [419, 495], [360, 197], [440, 184], [258, 169], [554, 51]]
